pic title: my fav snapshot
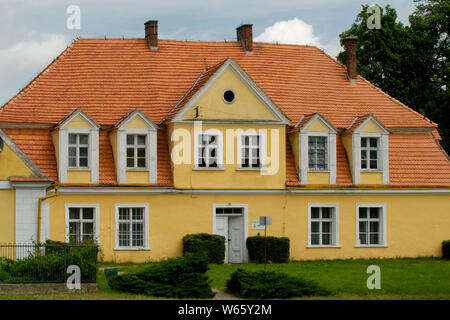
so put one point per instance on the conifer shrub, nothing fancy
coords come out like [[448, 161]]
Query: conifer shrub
[[271, 285], [277, 249], [182, 277], [212, 244], [446, 249]]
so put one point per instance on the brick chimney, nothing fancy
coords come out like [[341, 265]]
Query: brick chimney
[[350, 50], [151, 34], [245, 37]]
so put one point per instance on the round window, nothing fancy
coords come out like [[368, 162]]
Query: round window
[[229, 96]]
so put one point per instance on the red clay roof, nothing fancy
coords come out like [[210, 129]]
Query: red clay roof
[[109, 78], [120, 75]]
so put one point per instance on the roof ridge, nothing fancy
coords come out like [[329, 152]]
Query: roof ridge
[[378, 89], [38, 76]]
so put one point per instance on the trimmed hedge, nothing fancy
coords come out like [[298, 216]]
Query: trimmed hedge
[[446, 249], [212, 244], [174, 278], [271, 285], [277, 249]]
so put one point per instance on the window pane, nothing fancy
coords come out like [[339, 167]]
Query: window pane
[[72, 138], [363, 142], [74, 232], [138, 213], [326, 239], [326, 213], [315, 213], [326, 227], [72, 152], [72, 162], [130, 152], [141, 152], [362, 213], [141, 140], [374, 225], [130, 139], [124, 234], [374, 238], [83, 139], [315, 238], [362, 238], [373, 164], [363, 226], [83, 162], [124, 214], [373, 142], [315, 227], [141, 162], [74, 213], [130, 162], [88, 213], [88, 230], [83, 152], [374, 213]]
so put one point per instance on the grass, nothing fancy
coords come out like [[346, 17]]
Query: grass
[[421, 278]]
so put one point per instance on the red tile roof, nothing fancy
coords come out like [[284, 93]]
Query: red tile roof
[[107, 78]]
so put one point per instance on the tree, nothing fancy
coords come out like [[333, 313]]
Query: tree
[[410, 63]]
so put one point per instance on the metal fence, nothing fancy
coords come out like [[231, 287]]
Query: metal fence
[[25, 263]]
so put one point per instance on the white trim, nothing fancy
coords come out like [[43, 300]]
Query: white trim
[[233, 205], [383, 224], [383, 155], [230, 63], [219, 135], [100, 190], [76, 113], [5, 184], [96, 208], [146, 225], [335, 224]]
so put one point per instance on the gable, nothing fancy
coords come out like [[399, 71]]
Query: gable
[[11, 164], [371, 126], [317, 126], [78, 123], [137, 123], [247, 106]]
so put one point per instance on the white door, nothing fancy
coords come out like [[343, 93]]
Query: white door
[[222, 229], [235, 239]]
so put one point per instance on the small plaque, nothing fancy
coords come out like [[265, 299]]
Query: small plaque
[[256, 225]]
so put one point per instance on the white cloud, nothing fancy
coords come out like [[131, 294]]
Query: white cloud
[[293, 31]]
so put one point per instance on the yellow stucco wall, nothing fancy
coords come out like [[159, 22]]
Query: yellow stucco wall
[[317, 126], [185, 177], [415, 223], [137, 123], [11, 164], [78, 176], [137, 177], [79, 123], [371, 178], [318, 177], [7, 215], [371, 126], [247, 105]]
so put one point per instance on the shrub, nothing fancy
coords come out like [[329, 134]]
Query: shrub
[[446, 249], [175, 278], [212, 244], [277, 249], [271, 285]]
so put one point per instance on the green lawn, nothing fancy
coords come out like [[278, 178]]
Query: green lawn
[[424, 278]]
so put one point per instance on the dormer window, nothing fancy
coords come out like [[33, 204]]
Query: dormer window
[[78, 150], [369, 153], [136, 151], [317, 153]]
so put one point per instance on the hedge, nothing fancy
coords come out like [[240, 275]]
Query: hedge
[[277, 249], [212, 244], [446, 249], [182, 277], [271, 285]]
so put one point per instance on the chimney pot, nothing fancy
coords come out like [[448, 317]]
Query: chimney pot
[[350, 50], [245, 37], [151, 34]]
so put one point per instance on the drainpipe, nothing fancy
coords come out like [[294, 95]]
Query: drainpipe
[[40, 212]]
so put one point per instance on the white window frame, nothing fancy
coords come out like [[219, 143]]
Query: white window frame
[[77, 147], [96, 208], [383, 228], [136, 146], [368, 149], [219, 151], [150, 153], [327, 157], [335, 224], [146, 245], [262, 146]]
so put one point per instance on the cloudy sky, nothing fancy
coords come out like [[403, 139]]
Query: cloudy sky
[[34, 32]]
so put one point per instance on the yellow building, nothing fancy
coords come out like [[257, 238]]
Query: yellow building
[[136, 145]]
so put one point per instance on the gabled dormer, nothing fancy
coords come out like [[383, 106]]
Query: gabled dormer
[[366, 143], [76, 141], [313, 141], [134, 144]]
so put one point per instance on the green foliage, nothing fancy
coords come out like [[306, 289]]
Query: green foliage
[[277, 249], [212, 244], [174, 278], [48, 263], [271, 285], [446, 249], [410, 63]]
